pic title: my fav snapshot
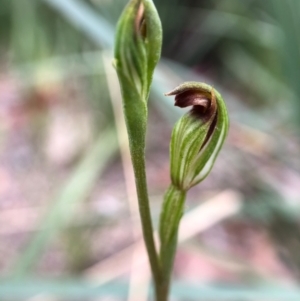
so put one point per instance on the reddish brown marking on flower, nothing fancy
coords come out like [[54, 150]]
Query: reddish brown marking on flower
[[191, 98], [140, 22], [204, 106], [210, 131], [204, 103], [205, 113]]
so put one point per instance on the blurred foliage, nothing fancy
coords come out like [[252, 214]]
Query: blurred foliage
[[250, 49]]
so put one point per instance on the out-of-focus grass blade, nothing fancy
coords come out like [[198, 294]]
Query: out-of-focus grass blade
[[84, 18], [240, 27], [80, 290], [58, 69], [70, 289], [75, 190], [23, 28], [111, 10], [196, 45], [261, 81], [288, 14], [253, 73]]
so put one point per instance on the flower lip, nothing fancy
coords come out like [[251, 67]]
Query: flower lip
[[203, 101], [191, 98]]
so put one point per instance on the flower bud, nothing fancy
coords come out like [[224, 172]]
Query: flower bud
[[138, 46], [199, 135], [137, 51]]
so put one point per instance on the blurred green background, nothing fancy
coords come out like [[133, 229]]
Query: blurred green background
[[68, 223]]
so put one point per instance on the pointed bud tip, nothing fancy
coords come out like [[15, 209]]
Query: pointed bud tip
[[169, 93]]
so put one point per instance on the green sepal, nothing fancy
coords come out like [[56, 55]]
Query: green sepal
[[206, 158], [187, 137]]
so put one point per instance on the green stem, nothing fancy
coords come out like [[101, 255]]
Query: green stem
[[135, 111], [172, 211], [138, 161]]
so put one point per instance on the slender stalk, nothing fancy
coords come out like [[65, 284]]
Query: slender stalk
[[172, 211], [138, 161], [135, 111]]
